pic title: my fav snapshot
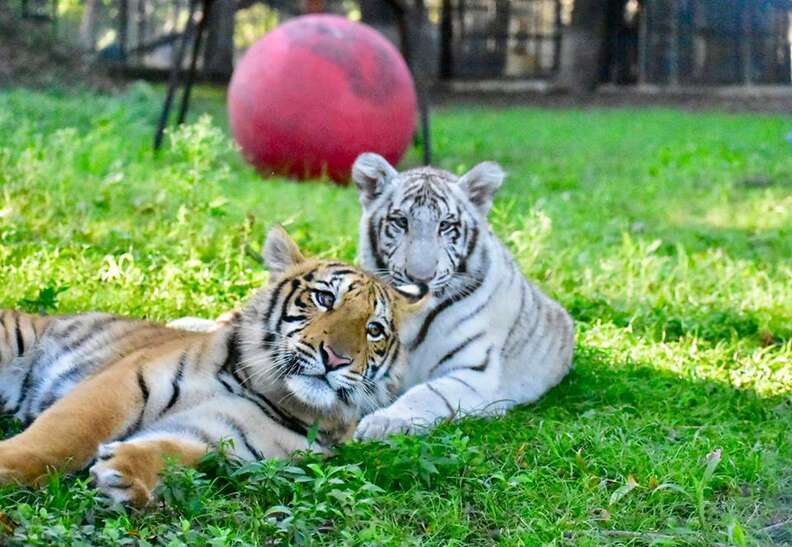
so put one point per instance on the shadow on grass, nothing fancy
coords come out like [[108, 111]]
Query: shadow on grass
[[660, 324], [766, 247], [621, 418]]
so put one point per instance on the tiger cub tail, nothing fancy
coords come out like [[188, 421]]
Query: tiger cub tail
[[19, 332]]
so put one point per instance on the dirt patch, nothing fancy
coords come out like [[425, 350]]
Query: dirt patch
[[774, 100]]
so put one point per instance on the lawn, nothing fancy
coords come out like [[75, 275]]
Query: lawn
[[668, 235]]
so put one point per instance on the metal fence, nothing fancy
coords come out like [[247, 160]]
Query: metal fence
[[714, 42], [500, 38]]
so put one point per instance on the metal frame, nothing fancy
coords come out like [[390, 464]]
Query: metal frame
[[175, 75], [666, 24]]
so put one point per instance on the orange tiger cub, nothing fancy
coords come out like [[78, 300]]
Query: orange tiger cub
[[318, 347]]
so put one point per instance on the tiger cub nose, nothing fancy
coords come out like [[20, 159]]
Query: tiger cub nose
[[331, 359]]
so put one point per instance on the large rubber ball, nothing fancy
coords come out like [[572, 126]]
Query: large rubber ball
[[316, 92]]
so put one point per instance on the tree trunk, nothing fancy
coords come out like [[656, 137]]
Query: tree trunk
[[583, 46], [88, 25], [218, 55]]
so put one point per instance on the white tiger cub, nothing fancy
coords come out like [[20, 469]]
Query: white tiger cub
[[488, 339]]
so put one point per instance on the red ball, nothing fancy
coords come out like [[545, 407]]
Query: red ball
[[316, 92]]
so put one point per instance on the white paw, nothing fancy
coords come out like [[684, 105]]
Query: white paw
[[108, 480], [379, 425]]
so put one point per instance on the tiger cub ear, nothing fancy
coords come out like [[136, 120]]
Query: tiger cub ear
[[372, 174], [481, 183], [280, 250]]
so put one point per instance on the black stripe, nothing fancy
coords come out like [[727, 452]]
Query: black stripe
[[144, 389], [71, 374], [95, 329], [175, 383], [24, 388], [464, 383], [518, 319], [265, 405], [231, 366], [192, 430], [470, 248], [76, 323], [439, 309], [20, 342], [226, 384], [451, 410], [345, 271], [199, 434], [295, 284], [483, 366], [391, 354], [526, 336], [373, 243], [133, 328], [293, 318], [465, 343], [309, 275], [285, 419], [74, 374], [274, 300], [475, 312], [232, 352], [268, 341], [6, 333], [240, 432]]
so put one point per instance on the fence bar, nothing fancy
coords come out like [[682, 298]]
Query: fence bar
[[746, 47], [557, 37], [185, 102], [173, 81], [643, 42], [673, 47]]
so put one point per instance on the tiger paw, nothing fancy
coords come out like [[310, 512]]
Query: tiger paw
[[116, 474], [379, 425]]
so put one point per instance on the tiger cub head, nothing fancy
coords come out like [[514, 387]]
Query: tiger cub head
[[426, 225], [324, 335]]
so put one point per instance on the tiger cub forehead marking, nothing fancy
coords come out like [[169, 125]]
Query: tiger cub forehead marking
[[347, 283], [427, 174], [426, 192]]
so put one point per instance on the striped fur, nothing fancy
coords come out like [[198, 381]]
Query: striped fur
[[317, 348], [488, 339]]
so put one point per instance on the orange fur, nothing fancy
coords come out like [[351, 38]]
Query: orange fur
[[262, 378]]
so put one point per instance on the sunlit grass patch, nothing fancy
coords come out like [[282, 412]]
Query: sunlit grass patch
[[668, 236]]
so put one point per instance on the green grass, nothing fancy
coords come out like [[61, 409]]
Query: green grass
[[668, 235]]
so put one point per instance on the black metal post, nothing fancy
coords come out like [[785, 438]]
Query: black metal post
[[423, 109], [200, 31], [446, 37], [123, 27], [173, 80]]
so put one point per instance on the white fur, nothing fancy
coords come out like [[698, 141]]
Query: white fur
[[525, 338]]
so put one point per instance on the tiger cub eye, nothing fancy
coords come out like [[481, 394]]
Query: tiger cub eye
[[325, 299], [375, 330]]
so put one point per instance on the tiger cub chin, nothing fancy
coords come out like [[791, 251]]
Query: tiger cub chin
[[314, 350]]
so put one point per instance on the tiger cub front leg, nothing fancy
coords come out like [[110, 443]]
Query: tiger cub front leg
[[456, 394], [129, 471], [65, 437]]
